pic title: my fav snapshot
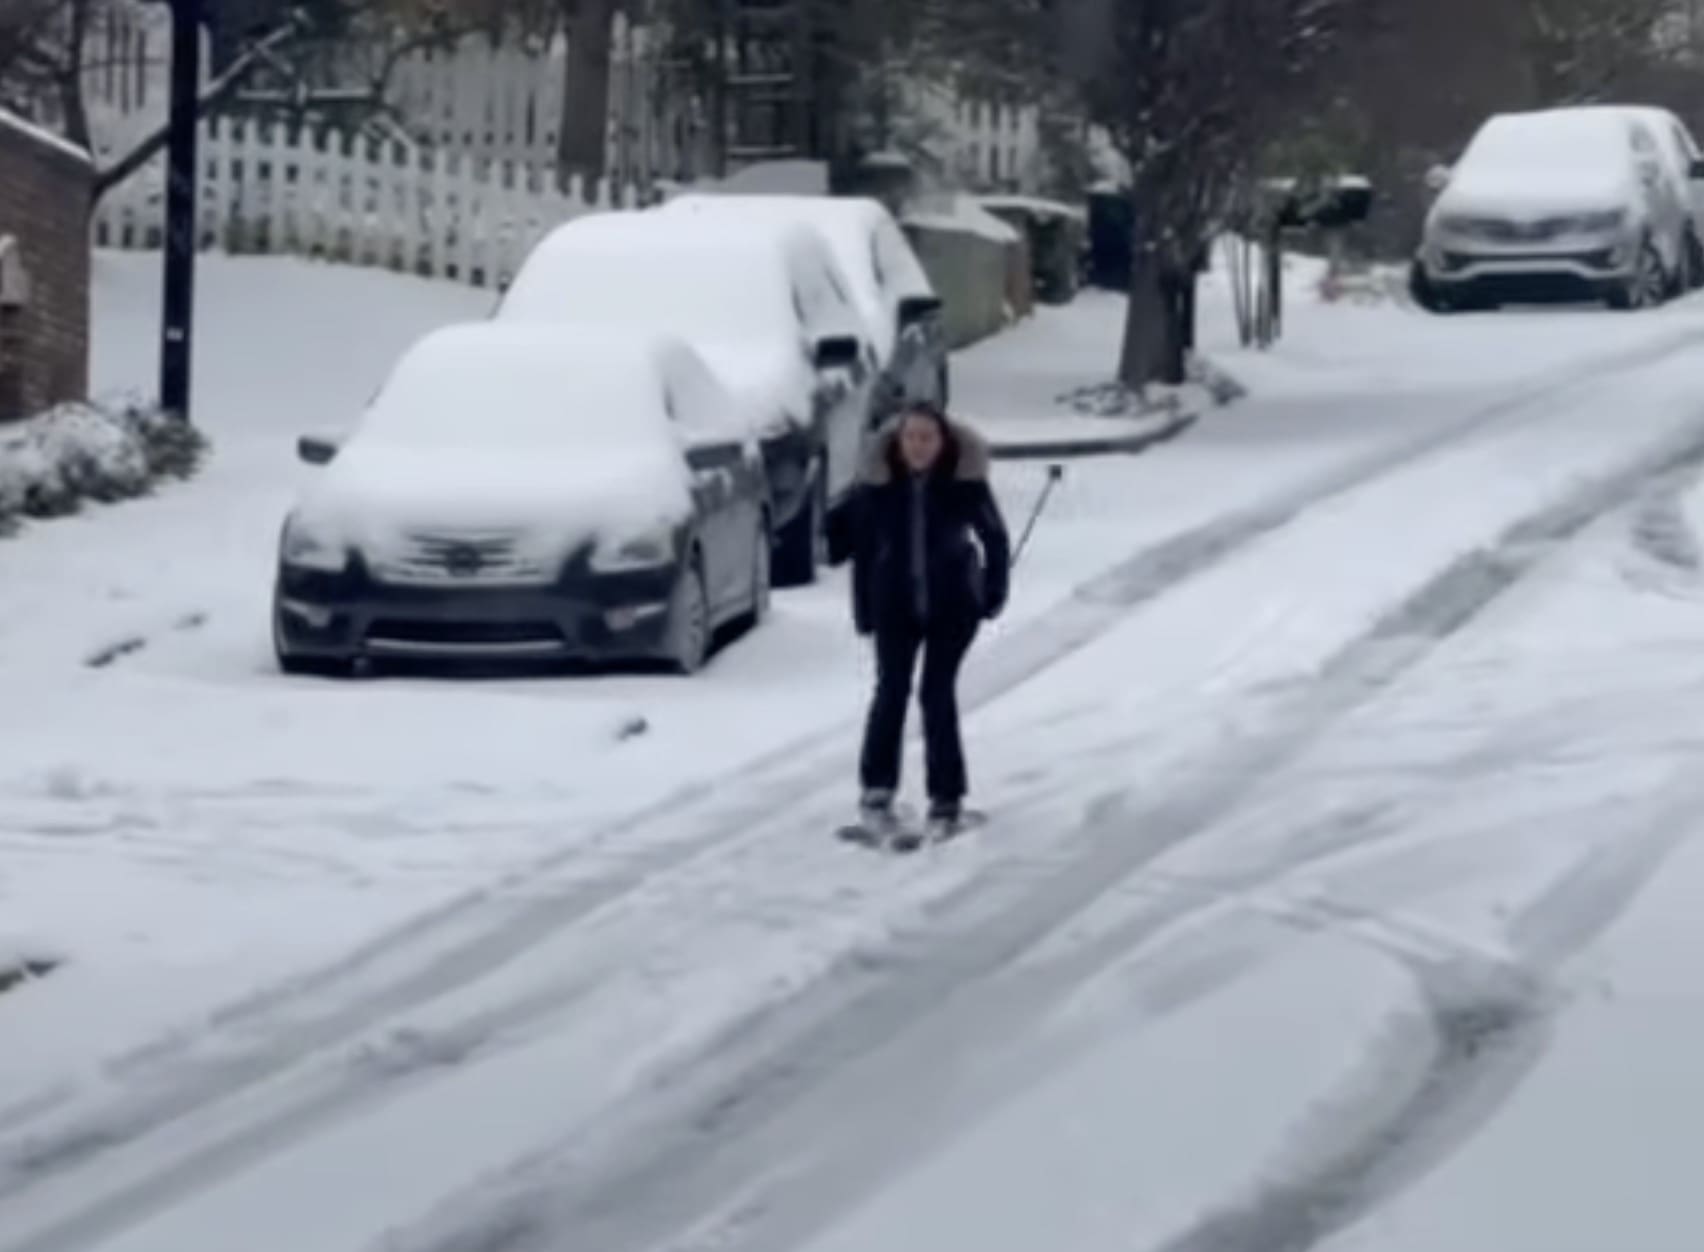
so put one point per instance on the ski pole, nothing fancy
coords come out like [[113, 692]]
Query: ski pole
[[1055, 472]]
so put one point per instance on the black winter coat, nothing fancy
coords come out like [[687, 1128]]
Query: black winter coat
[[966, 554]]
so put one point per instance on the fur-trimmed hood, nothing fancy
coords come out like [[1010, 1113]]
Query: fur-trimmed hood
[[974, 457]]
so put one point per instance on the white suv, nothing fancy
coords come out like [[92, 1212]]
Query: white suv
[[1684, 164], [1576, 203]]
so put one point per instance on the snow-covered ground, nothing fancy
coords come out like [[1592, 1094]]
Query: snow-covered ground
[[185, 828]]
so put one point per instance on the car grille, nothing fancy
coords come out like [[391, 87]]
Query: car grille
[[1600, 259], [1497, 230], [460, 557], [467, 633]]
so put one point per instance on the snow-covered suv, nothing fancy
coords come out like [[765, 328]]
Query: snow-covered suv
[[1684, 164], [1556, 203], [887, 281], [765, 306]]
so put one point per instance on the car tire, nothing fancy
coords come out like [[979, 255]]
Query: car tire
[[762, 582], [799, 545], [298, 666], [1647, 286], [689, 621], [1425, 295]]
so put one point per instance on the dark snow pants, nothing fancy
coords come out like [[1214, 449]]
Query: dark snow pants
[[943, 646]]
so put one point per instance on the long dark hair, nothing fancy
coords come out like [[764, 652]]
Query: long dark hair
[[946, 465]]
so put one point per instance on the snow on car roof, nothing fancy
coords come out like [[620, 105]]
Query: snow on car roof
[[648, 269], [488, 383], [864, 243], [846, 222], [1644, 112]]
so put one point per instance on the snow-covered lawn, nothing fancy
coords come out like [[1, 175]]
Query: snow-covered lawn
[[185, 826]]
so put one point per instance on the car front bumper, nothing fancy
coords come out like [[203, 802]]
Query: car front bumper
[[1532, 273], [351, 616]]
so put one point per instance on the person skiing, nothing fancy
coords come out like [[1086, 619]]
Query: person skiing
[[920, 585]]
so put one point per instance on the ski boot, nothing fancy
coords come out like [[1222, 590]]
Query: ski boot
[[946, 819], [877, 820]]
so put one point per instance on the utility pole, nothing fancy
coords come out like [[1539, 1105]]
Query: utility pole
[[177, 313]]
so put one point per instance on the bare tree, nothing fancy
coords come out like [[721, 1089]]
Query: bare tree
[[1580, 50], [1191, 92], [46, 55], [582, 134]]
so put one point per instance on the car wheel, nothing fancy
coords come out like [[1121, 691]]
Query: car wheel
[[1425, 295], [689, 621], [761, 579], [802, 542], [1646, 286]]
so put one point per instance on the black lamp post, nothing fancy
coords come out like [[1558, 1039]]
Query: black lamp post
[[177, 313]]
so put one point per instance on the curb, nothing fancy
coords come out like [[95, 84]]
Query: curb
[[1109, 445]]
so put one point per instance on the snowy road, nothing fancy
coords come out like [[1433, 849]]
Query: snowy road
[[1298, 757], [201, 805]]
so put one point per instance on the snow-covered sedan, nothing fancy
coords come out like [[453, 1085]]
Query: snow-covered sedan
[[764, 305], [516, 494], [1569, 203], [902, 313]]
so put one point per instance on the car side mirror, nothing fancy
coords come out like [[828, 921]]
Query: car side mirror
[[1438, 177], [888, 398], [715, 455], [316, 449], [915, 309], [836, 351]]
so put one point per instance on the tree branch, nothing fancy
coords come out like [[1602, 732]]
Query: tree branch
[[218, 92]]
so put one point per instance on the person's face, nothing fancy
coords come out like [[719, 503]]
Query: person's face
[[920, 443]]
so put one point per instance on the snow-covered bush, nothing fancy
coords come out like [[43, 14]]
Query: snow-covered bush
[[1209, 386], [51, 464]]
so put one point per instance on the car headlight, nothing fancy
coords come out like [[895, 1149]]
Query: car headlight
[[649, 551], [313, 547], [1608, 219]]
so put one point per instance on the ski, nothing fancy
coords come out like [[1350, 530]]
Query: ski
[[878, 834], [900, 835]]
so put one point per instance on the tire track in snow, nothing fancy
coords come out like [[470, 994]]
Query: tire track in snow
[[264, 1036], [845, 1044], [1485, 1039]]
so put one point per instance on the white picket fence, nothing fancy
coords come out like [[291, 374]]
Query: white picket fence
[[321, 194], [479, 99]]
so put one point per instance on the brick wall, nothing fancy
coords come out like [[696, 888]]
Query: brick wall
[[44, 338]]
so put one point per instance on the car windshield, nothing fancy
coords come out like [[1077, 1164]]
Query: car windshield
[[500, 396]]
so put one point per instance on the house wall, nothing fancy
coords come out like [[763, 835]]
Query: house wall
[[45, 187]]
